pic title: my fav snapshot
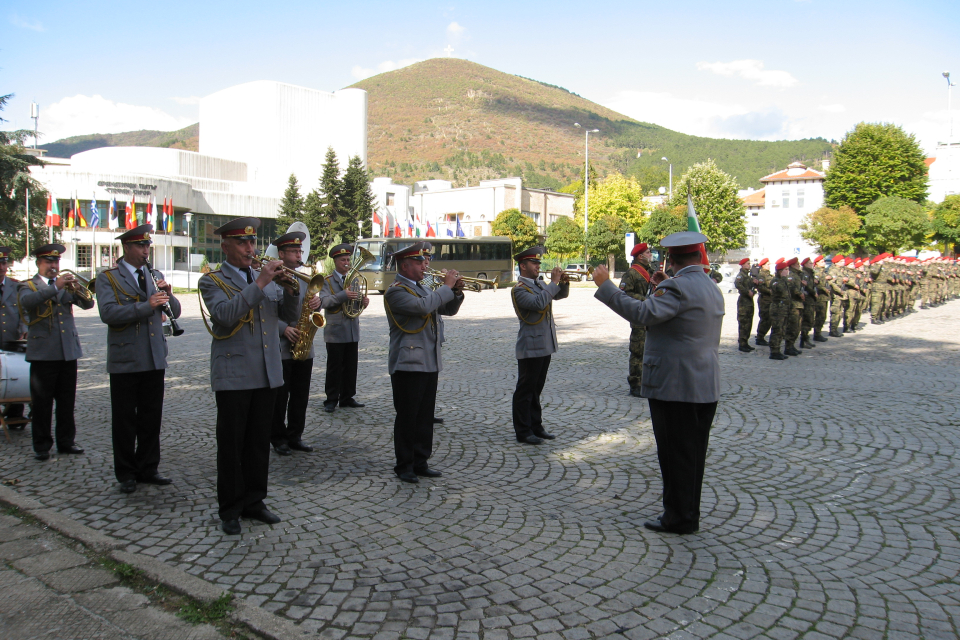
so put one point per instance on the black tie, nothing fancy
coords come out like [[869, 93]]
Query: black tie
[[50, 282], [142, 279], [249, 275]]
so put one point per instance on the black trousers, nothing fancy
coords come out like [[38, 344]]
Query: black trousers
[[341, 381], [414, 398], [527, 412], [291, 402], [243, 449], [136, 401], [682, 430], [53, 380]]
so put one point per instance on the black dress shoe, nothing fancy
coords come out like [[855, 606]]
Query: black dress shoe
[[329, 407], [437, 420], [761, 342], [282, 449], [263, 515], [530, 439], [154, 479], [128, 486], [351, 403], [427, 473], [777, 356], [300, 445], [409, 476], [231, 527], [71, 449], [41, 455], [656, 525], [544, 435]]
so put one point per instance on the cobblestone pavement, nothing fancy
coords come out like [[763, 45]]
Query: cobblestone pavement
[[50, 590], [829, 499]]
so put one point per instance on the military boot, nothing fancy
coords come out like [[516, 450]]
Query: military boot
[[818, 337], [776, 355], [790, 351], [746, 348], [761, 342], [805, 342]]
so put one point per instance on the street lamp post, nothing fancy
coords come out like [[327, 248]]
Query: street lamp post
[[188, 216], [950, 85], [671, 176], [586, 184]]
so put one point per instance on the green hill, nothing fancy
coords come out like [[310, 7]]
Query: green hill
[[458, 120], [187, 138]]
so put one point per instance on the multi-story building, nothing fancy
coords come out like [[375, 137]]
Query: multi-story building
[[774, 214]]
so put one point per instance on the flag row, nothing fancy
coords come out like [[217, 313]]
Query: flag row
[[162, 219], [390, 225]]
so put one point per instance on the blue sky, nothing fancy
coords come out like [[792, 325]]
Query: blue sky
[[779, 69]]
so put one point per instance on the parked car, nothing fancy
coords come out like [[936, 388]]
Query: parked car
[[579, 272]]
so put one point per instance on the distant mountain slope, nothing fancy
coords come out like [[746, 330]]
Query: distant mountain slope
[[455, 119], [187, 138]]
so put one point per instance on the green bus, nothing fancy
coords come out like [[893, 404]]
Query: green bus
[[483, 257]]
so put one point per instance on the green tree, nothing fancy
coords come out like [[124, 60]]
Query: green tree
[[945, 223], [894, 224], [565, 238], [719, 209], [618, 196], [318, 224], [291, 207], [518, 227], [832, 230], [15, 182], [331, 197], [357, 199], [663, 221], [873, 161], [607, 237]]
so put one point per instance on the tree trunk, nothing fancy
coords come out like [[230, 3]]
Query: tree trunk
[[611, 263]]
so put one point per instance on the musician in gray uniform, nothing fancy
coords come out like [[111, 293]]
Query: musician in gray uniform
[[341, 334], [131, 304], [414, 362], [536, 342], [244, 308], [53, 348], [292, 397], [681, 377], [12, 327]]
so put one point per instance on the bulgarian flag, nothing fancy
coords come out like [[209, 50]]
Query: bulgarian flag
[[53, 211], [81, 219], [694, 225], [130, 220]]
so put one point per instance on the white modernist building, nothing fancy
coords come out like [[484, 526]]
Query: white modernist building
[[774, 214], [252, 137], [943, 177], [436, 202]]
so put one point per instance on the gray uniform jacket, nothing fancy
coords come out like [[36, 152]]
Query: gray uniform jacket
[[339, 328], [135, 340], [681, 361], [415, 343], [250, 358], [11, 325], [53, 335], [285, 345], [533, 303]]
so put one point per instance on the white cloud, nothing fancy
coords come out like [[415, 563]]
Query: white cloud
[[695, 117], [186, 100], [832, 108], [932, 128], [750, 70], [23, 23], [454, 30], [361, 73], [79, 115]]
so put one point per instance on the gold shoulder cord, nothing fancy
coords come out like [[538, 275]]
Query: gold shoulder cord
[[227, 289], [338, 308], [516, 309], [117, 290], [41, 315], [426, 318]]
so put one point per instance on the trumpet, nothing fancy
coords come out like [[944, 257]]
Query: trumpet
[[566, 274], [287, 275], [80, 287], [434, 279]]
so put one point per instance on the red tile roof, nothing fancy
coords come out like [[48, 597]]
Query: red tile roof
[[809, 174], [756, 199], [929, 161]]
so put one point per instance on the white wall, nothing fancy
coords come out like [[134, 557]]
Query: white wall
[[775, 242], [944, 175]]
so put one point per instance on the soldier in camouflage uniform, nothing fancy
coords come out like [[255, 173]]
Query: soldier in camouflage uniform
[[809, 313], [880, 275], [853, 295], [745, 284], [791, 326], [834, 278], [763, 301], [823, 300], [780, 306], [636, 284]]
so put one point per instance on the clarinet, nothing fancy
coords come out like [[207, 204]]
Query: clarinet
[[177, 330]]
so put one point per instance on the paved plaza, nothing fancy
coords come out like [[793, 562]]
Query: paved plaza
[[829, 500]]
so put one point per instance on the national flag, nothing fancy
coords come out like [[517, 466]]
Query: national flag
[[693, 224], [131, 218], [112, 221], [53, 212], [168, 224], [409, 227], [81, 219], [94, 214], [376, 218], [450, 232], [397, 231], [460, 233], [71, 218], [430, 232], [148, 214]]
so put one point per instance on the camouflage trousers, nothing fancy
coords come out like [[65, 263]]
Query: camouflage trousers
[[808, 316], [744, 319], [858, 310], [836, 314], [791, 325], [778, 315], [822, 303], [763, 310], [638, 335], [849, 311], [878, 302]]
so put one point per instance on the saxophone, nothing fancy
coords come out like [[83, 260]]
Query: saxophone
[[309, 321]]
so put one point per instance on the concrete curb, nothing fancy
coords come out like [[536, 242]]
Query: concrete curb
[[257, 620]]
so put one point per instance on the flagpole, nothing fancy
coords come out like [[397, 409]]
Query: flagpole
[[26, 221], [93, 240]]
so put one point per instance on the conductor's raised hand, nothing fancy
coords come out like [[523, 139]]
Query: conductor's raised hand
[[658, 277], [600, 275]]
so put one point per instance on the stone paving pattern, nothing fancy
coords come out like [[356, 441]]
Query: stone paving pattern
[[829, 501]]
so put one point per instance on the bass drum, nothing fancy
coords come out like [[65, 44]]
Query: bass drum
[[14, 375]]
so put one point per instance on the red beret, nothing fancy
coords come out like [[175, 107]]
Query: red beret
[[744, 261], [817, 259], [805, 260], [763, 262], [792, 261], [837, 258], [638, 249]]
